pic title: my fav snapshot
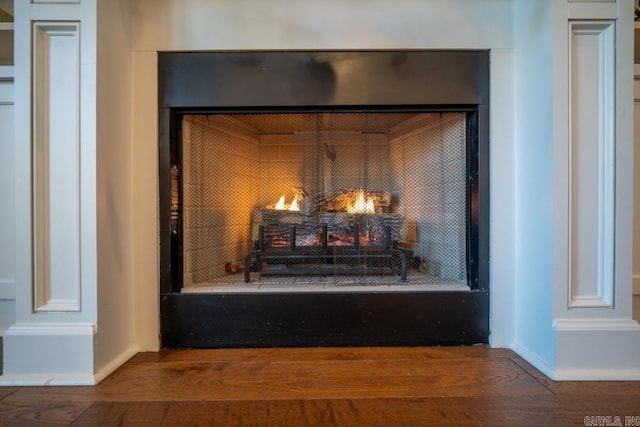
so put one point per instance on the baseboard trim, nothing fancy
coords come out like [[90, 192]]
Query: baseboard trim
[[597, 375], [46, 380], [38, 354], [115, 363], [534, 360], [597, 349], [576, 325], [47, 329]]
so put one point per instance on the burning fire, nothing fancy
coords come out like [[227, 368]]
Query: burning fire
[[361, 205], [294, 205], [282, 206]]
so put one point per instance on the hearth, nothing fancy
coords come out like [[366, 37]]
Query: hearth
[[303, 204]]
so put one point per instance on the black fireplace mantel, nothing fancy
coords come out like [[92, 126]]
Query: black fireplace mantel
[[261, 81]]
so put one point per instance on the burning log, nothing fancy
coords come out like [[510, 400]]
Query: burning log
[[277, 227], [346, 229], [344, 200]]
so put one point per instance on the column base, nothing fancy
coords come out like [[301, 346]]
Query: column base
[[597, 350], [48, 354]]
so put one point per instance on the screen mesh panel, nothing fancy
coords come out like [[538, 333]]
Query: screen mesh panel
[[237, 167]]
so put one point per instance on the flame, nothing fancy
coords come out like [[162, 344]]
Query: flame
[[294, 205], [361, 205], [282, 206]]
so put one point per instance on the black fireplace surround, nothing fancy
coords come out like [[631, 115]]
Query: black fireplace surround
[[325, 81]]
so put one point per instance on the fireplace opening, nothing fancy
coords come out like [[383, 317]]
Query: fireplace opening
[[323, 198], [318, 201]]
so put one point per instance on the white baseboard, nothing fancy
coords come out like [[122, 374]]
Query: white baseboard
[[597, 375], [115, 363], [537, 363], [38, 380], [636, 284], [35, 356], [597, 349], [591, 350], [48, 354]]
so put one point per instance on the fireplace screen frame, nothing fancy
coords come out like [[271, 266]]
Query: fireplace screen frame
[[423, 81]]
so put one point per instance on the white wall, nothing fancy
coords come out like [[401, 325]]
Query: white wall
[[114, 341], [534, 172], [316, 24]]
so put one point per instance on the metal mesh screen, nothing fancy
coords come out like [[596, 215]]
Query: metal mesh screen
[[429, 167], [236, 168]]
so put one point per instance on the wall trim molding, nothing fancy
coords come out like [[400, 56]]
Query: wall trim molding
[[36, 380], [572, 325], [56, 172], [592, 173], [28, 342], [590, 337], [49, 354], [636, 284], [596, 375], [115, 363], [597, 349], [534, 360], [30, 329]]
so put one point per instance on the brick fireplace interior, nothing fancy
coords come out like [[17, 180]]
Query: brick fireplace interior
[[343, 204]]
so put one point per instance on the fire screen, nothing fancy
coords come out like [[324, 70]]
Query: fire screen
[[332, 198]]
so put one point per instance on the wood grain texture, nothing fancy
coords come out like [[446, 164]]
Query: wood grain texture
[[388, 386], [482, 411]]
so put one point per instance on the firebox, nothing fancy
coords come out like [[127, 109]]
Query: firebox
[[324, 198]]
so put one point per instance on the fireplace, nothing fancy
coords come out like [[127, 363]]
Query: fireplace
[[324, 198]]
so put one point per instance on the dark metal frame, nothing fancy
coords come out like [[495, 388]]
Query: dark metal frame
[[299, 81]]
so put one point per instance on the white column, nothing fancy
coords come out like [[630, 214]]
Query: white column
[[7, 232], [636, 188], [52, 341], [593, 185]]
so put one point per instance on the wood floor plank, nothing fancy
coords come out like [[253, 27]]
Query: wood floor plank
[[483, 411], [344, 353], [148, 357], [323, 386], [303, 380], [6, 391], [49, 413]]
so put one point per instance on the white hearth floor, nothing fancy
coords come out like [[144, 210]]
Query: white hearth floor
[[416, 281]]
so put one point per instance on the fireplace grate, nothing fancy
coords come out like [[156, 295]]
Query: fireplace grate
[[322, 259]]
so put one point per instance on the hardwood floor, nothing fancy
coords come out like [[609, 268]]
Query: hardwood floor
[[385, 386]]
